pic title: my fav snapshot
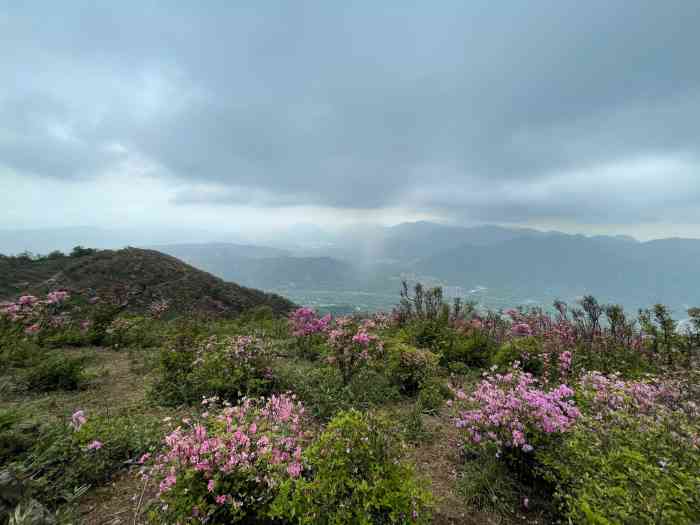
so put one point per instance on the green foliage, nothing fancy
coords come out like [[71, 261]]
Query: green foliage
[[135, 331], [432, 395], [16, 435], [20, 353], [80, 251], [413, 427], [474, 350], [323, 392], [60, 461], [311, 347], [410, 367], [526, 350], [630, 469], [56, 371], [356, 477], [191, 368], [487, 485]]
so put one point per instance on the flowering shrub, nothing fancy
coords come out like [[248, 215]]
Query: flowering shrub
[[34, 315], [308, 330], [512, 411], [603, 393], [352, 348], [304, 322], [354, 475], [227, 466], [229, 367]]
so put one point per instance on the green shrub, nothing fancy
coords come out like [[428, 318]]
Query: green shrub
[[228, 367], [432, 395], [16, 436], [69, 336], [62, 459], [19, 354], [414, 430], [371, 387], [135, 332], [56, 371], [320, 387], [323, 392], [310, 347], [410, 367], [428, 333], [356, 477], [526, 350], [474, 350], [627, 469]]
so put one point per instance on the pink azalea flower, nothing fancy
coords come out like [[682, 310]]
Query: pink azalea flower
[[94, 445]]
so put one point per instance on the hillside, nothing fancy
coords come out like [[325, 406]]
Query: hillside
[[144, 275]]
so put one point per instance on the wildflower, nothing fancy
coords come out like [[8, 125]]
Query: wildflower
[[33, 329], [78, 419], [294, 470], [94, 445], [361, 338]]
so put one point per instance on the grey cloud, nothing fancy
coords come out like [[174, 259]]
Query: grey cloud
[[363, 106]]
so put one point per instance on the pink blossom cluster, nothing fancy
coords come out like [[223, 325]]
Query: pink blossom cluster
[[521, 329], [56, 297], [78, 419], [351, 348], [261, 439], [508, 410], [610, 393], [34, 314], [557, 333], [158, 308], [304, 321], [242, 348]]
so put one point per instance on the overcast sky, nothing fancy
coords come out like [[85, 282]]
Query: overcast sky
[[581, 116]]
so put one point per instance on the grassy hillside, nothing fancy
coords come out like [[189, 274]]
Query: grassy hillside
[[144, 276]]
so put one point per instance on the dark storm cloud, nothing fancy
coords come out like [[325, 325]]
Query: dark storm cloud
[[481, 110]]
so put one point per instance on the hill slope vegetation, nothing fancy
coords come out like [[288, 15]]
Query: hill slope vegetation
[[141, 276]]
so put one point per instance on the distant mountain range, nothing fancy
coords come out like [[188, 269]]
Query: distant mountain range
[[494, 265], [498, 266]]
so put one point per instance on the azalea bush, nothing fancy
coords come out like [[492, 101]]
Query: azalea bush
[[353, 474], [513, 411], [227, 466], [58, 320], [227, 366], [633, 460], [308, 331], [352, 348]]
